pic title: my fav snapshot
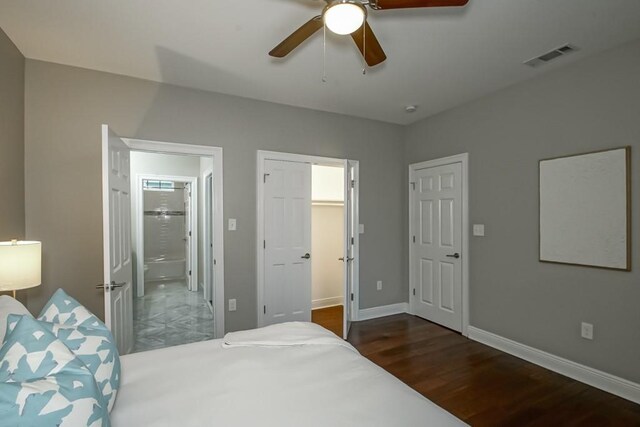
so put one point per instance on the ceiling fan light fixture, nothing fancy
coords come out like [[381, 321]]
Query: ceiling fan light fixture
[[344, 16]]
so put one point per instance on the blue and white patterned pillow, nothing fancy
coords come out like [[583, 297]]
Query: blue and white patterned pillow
[[94, 347], [42, 383], [88, 338]]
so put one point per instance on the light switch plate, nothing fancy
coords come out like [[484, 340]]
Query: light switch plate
[[232, 224], [361, 229], [478, 229], [232, 305], [586, 331]]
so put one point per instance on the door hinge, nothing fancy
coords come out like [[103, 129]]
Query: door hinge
[[352, 241], [189, 272], [414, 239], [264, 309], [264, 177], [353, 183], [351, 296], [264, 244], [413, 186], [414, 292], [189, 233], [215, 262]]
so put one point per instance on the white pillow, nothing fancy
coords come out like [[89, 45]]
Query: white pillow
[[9, 306]]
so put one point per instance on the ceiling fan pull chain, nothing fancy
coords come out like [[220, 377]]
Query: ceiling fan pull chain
[[324, 53], [364, 48]]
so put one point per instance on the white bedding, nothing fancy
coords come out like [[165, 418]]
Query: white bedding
[[267, 384]]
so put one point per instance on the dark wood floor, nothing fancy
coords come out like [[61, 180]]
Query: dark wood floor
[[481, 385], [330, 318]]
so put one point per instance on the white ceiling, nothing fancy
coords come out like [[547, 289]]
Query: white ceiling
[[437, 59]]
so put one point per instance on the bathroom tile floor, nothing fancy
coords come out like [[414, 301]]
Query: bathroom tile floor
[[169, 314]]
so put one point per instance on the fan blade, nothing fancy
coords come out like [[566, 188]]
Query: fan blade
[[404, 4], [298, 36], [371, 50]]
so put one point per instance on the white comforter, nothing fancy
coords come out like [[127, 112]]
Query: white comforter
[[267, 378]]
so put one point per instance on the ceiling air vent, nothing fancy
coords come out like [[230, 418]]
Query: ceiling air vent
[[551, 55]]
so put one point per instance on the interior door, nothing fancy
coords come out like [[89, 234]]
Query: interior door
[[350, 230], [209, 262], [116, 208], [437, 245], [287, 245], [187, 233]]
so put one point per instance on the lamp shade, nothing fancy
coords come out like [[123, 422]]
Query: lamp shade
[[20, 265]]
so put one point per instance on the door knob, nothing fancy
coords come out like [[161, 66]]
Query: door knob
[[112, 286], [306, 256], [456, 256]]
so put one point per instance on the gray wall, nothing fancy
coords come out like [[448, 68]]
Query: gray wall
[[65, 107], [11, 140], [591, 105]]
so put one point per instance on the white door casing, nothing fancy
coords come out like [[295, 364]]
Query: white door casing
[[116, 208], [287, 242], [438, 242]]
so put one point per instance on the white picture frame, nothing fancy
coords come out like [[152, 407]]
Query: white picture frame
[[585, 209]]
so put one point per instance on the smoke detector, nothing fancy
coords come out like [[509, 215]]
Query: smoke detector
[[551, 55], [411, 108]]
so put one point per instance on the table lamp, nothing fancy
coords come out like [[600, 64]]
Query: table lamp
[[20, 265]]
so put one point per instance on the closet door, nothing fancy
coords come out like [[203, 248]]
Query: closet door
[[287, 245]]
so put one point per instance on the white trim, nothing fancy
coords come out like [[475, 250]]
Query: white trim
[[593, 377], [300, 158], [326, 302], [463, 159], [383, 311], [218, 218]]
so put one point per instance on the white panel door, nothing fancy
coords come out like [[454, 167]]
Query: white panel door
[[437, 245], [350, 231], [116, 204], [287, 245]]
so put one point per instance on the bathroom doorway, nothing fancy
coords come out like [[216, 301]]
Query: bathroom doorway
[[171, 304]]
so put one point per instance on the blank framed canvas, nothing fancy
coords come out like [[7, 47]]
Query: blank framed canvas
[[585, 209]]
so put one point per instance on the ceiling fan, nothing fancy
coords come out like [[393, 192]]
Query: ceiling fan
[[346, 17]]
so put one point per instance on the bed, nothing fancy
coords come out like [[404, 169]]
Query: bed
[[62, 368], [284, 375]]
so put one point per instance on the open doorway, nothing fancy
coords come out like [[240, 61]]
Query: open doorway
[[170, 306], [307, 269], [327, 246]]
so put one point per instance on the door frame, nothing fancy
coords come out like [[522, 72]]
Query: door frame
[[299, 158], [139, 218], [463, 159], [218, 213]]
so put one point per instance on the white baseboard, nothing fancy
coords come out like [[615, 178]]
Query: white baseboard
[[385, 310], [327, 302], [607, 382]]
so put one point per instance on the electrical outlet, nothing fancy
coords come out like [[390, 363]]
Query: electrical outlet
[[587, 331], [232, 305], [379, 285]]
